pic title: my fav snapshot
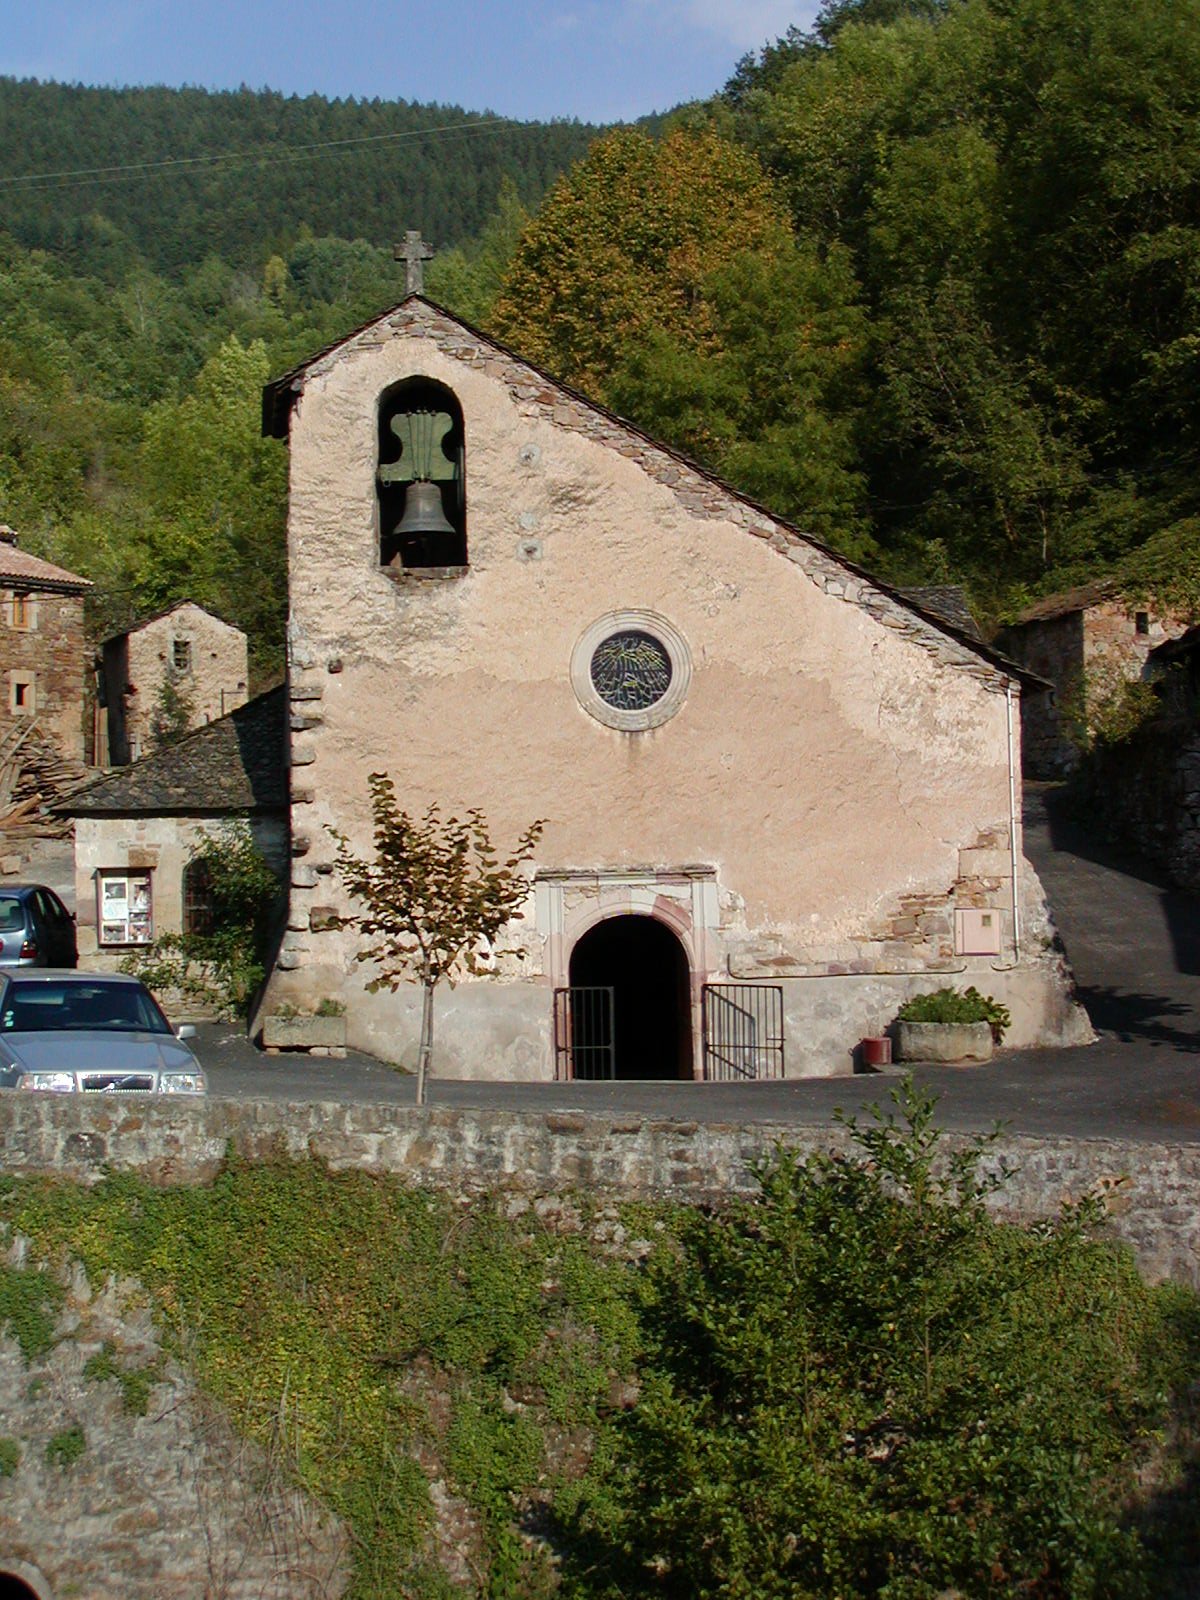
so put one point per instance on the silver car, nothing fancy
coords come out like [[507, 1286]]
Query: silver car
[[90, 1033]]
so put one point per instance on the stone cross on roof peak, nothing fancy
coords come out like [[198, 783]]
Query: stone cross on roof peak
[[414, 252]]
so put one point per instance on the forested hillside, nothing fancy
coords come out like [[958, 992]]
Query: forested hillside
[[924, 280], [141, 310], [973, 353], [185, 173]]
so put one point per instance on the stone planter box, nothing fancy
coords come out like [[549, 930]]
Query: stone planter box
[[944, 1041], [304, 1033]]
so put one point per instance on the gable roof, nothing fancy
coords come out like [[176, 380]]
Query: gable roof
[[158, 616], [20, 570], [698, 490], [236, 764], [947, 601], [1065, 603]]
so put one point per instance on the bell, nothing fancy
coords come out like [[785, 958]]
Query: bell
[[423, 514]]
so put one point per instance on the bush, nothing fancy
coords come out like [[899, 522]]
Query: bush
[[223, 968], [861, 1385], [954, 1005]]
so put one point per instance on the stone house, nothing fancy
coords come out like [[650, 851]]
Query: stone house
[[1087, 643], [42, 647], [135, 828], [779, 797], [183, 666]]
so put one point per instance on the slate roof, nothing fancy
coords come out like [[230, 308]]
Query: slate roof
[[1063, 604], [18, 569], [948, 601], [157, 616], [282, 393], [236, 764]]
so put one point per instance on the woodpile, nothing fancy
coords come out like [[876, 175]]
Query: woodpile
[[34, 774]]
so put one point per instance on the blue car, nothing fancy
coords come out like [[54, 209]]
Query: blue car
[[91, 1033], [36, 929]]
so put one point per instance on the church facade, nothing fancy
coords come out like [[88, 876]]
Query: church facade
[[778, 798]]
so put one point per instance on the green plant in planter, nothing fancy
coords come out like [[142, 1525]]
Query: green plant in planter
[[957, 1005]]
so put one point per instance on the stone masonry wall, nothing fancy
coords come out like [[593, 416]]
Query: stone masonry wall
[[47, 653], [1152, 1189], [213, 683], [169, 1505]]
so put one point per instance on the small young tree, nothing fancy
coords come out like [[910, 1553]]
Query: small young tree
[[434, 892]]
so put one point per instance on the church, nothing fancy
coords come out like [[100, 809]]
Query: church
[[779, 797]]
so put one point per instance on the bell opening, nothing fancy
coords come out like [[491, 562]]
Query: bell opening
[[420, 479]]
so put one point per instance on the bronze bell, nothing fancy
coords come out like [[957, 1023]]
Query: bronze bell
[[423, 513], [423, 532]]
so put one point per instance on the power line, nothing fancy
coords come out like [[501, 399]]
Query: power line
[[263, 155]]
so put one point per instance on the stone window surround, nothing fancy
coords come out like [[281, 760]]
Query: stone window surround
[[22, 694], [640, 621], [22, 611]]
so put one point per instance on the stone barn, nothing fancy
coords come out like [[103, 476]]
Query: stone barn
[[779, 796], [166, 674], [1087, 643]]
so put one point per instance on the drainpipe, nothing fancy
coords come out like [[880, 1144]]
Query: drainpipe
[[1012, 822]]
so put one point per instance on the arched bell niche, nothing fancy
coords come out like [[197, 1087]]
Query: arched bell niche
[[421, 478]]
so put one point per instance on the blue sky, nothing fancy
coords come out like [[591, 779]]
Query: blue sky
[[598, 60]]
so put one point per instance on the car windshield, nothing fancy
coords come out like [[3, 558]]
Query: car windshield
[[30, 1007], [12, 914]]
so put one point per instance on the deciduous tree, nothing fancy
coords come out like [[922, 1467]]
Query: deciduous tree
[[434, 892]]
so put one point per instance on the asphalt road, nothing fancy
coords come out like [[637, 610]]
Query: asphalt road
[[1135, 947]]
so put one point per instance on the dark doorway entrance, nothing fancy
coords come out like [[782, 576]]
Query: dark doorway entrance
[[645, 966]]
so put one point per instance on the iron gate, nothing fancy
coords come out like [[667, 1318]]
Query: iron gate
[[743, 1031], [584, 1036]]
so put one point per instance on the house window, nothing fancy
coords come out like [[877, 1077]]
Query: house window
[[1141, 622], [199, 913], [124, 907], [181, 655], [420, 481], [21, 695], [22, 612]]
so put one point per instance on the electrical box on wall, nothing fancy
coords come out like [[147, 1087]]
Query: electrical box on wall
[[977, 932]]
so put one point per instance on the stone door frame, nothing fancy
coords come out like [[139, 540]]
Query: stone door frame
[[570, 902]]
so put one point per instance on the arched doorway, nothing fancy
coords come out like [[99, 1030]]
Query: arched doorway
[[644, 965], [14, 1588]]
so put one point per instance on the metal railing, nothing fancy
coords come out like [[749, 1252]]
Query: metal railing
[[584, 1033], [743, 1031]]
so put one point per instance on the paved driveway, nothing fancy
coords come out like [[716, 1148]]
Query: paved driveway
[[1135, 946]]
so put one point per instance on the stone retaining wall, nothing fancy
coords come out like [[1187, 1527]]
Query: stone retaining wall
[[1153, 1190]]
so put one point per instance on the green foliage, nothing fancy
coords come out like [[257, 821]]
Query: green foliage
[[860, 1385], [64, 1449], [433, 894], [623, 245], [381, 1326], [137, 1383], [29, 1307], [173, 714], [363, 169], [957, 1005], [10, 1457], [223, 966]]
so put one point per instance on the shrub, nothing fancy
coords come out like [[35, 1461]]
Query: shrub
[[955, 1005], [223, 968], [65, 1448], [861, 1385]]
